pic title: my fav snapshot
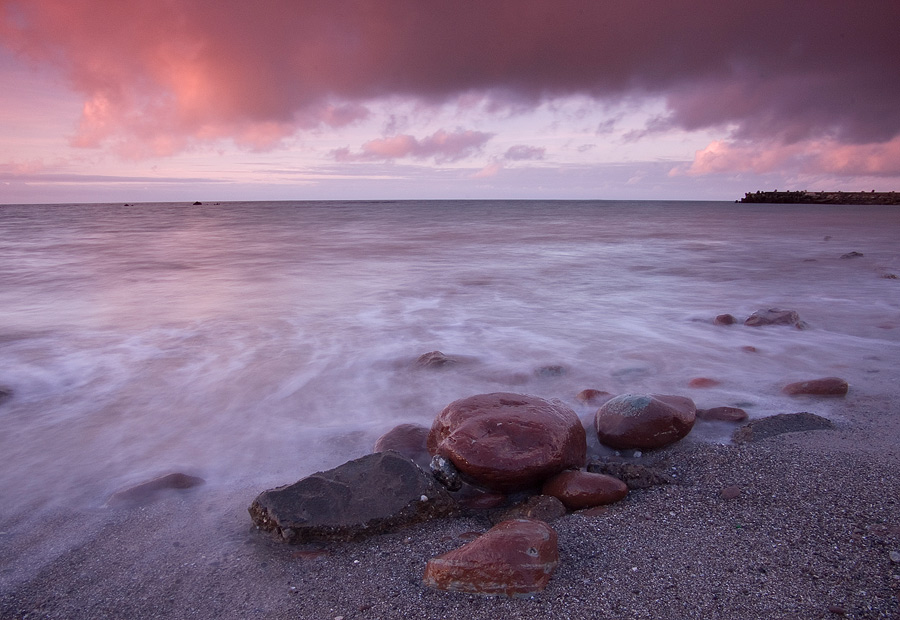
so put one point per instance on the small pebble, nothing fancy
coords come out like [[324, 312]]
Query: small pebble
[[895, 557], [730, 492], [837, 610]]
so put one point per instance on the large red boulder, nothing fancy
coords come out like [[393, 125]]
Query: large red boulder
[[515, 557], [507, 442], [582, 489], [408, 440], [644, 420]]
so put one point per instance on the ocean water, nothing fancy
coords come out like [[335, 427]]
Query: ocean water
[[255, 343]]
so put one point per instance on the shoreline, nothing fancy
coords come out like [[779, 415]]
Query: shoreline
[[810, 535]]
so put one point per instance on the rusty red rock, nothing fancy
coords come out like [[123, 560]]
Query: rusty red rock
[[581, 489]]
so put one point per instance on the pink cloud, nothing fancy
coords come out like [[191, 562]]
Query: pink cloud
[[167, 74], [443, 146]]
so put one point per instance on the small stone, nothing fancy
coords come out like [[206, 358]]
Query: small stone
[[837, 610], [895, 557], [749, 349], [731, 492], [407, 439], [775, 316], [581, 489], [445, 473], [725, 319], [553, 370], [829, 386], [434, 360], [703, 382], [513, 558]]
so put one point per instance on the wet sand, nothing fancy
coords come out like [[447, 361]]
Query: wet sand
[[810, 535]]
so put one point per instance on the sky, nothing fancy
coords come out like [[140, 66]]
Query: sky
[[174, 100]]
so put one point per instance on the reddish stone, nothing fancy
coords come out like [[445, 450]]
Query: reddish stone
[[749, 349], [581, 489], [507, 442], [722, 414], [703, 382], [515, 557], [644, 420], [407, 439], [725, 319], [593, 397], [829, 386]]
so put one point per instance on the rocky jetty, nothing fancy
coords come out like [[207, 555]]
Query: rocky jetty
[[823, 198]]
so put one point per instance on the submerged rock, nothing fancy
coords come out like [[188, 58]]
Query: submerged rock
[[515, 557], [150, 491], [593, 397], [775, 316], [507, 442], [722, 414], [366, 496], [725, 319], [770, 426], [407, 439], [581, 489], [829, 386], [435, 360], [644, 420]]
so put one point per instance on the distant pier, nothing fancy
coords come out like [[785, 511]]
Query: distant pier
[[823, 198]]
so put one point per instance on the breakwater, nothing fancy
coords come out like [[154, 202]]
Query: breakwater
[[825, 198]]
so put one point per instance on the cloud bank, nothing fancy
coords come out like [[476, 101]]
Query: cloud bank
[[159, 76]]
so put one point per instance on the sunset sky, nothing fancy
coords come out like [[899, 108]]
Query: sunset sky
[[173, 100]]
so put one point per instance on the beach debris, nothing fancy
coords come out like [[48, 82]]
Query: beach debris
[[541, 507], [147, 492], [408, 440], [369, 495], [593, 397], [634, 475], [725, 319], [445, 473], [581, 489], [722, 414], [828, 386], [507, 442], [644, 420], [775, 316], [773, 425], [435, 360], [513, 558]]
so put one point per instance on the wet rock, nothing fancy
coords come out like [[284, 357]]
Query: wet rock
[[634, 475], [553, 370], [852, 255], [150, 491], [770, 426], [506, 442], [703, 382], [829, 386], [434, 360], [445, 472], [541, 507], [775, 316], [725, 319], [5, 394], [581, 489], [370, 495], [515, 557], [407, 439], [644, 420], [593, 397], [722, 414]]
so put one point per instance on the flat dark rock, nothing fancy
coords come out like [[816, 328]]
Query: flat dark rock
[[370, 495], [149, 491], [634, 475], [770, 426]]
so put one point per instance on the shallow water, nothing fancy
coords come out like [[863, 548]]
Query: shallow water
[[254, 343]]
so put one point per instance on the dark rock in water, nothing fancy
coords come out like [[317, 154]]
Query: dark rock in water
[[149, 491], [435, 360], [634, 475], [366, 496], [198, 203], [541, 507], [725, 319], [644, 420], [722, 414], [852, 255], [550, 371], [775, 316], [763, 428], [829, 386], [593, 397], [515, 557], [5, 394], [445, 472], [581, 489], [408, 440], [703, 382], [507, 442]]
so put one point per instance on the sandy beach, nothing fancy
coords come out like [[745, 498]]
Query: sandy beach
[[810, 535]]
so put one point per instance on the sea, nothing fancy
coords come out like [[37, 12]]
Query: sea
[[254, 343]]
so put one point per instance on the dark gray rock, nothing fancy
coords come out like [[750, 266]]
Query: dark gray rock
[[634, 475], [852, 255], [446, 473], [435, 360], [763, 428], [370, 495], [150, 491], [540, 507], [775, 316]]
